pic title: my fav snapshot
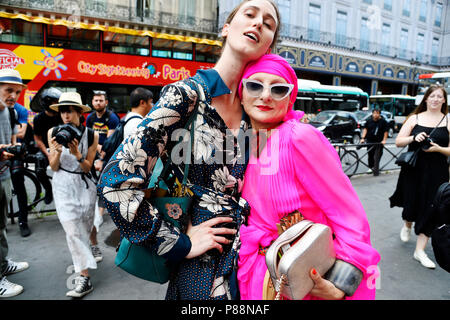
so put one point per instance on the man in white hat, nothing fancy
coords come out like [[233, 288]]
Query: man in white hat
[[11, 87]]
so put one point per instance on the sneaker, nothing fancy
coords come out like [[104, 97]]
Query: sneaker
[[422, 257], [24, 229], [369, 171], [96, 253], [405, 234], [14, 267], [83, 287], [9, 289]]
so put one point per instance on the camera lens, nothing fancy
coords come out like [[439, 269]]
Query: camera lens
[[63, 137]]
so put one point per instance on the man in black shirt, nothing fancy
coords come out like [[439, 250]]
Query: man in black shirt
[[43, 122], [375, 131]]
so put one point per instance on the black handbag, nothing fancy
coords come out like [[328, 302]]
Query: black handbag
[[408, 159], [144, 262]]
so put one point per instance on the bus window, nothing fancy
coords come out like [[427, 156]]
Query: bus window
[[182, 50], [124, 43], [19, 31], [207, 53], [81, 39], [164, 48]]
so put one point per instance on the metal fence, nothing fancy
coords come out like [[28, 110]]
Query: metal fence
[[354, 157]]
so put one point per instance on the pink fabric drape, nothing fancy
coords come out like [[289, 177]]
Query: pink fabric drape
[[299, 169]]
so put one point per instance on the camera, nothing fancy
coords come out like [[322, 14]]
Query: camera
[[229, 225], [426, 144], [18, 151], [65, 133]]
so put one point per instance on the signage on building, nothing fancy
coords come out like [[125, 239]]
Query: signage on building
[[368, 69], [401, 75], [388, 73], [352, 67], [317, 61], [289, 57]]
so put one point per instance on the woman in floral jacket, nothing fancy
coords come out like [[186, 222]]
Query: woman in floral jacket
[[206, 268]]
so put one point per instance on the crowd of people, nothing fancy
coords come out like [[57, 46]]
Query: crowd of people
[[249, 91]]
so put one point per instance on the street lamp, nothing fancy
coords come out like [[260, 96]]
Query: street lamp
[[415, 71]]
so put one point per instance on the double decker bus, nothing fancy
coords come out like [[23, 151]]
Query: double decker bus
[[53, 53], [428, 79], [399, 105], [314, 97]]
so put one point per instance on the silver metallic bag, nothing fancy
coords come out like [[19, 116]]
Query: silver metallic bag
[[290, 258]]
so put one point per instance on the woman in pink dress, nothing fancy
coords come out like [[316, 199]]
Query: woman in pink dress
[[297, 169]]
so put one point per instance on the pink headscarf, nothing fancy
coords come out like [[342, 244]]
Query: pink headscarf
[[276, 65]]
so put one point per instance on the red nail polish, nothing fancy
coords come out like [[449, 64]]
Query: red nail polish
[[314, 271]]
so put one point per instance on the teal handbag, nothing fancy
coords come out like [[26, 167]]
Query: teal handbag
[[141, 261]]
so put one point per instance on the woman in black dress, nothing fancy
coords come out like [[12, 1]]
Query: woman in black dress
[[417, 186]]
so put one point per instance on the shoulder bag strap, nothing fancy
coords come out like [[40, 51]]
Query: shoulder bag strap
[[437, 126], [190, 121]]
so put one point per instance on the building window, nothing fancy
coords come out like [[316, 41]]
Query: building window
[[367, 1], [437, 20], [284, 7], [406, 8], [420, 46], [314, 22], [145, 7], [81, 39], [403, 43], [364, 35], [187, 8], [388, 5], [19, 31], [341, 28], [435, 51], [386, 39], [124, 43], [423, 10]]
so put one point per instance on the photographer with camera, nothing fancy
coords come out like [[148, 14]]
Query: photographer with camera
[[17, 168], [11, 87], [427, 130], [72, 152], [42, 122]]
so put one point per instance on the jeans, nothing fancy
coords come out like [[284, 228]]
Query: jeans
[[5, 197]]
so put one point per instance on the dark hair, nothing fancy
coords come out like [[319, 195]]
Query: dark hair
[[100, 93], [376, 109], [423, 104], [66, 108], [139, 94], [236, 9]]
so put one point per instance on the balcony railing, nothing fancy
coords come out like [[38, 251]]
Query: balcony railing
[[294, 32], [127, 13]]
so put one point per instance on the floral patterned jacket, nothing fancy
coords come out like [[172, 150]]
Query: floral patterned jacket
[[215, 177]]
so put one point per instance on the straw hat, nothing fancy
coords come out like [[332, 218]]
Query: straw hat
[[11, 76], [70, 99]]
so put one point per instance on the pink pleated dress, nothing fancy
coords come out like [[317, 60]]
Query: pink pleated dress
[[300, 170]]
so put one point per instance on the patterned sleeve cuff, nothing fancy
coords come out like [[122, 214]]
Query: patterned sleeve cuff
[[179, 251]]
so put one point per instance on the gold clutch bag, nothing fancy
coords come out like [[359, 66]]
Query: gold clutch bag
[[290, 258]]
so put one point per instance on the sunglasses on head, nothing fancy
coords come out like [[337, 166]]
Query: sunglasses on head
[[278, 91], [99, 92]]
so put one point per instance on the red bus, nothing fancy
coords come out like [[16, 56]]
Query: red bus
[[86, 60]]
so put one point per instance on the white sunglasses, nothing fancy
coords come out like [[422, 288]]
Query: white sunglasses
[[278, 91]]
